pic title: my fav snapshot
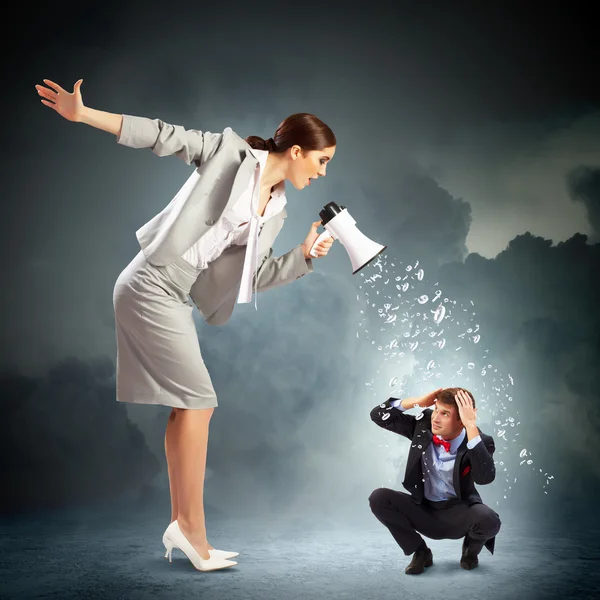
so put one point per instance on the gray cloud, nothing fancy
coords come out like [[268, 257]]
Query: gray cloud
[[513, 176], [584, 187]]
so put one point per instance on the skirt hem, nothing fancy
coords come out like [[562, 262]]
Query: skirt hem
[[162, 401]]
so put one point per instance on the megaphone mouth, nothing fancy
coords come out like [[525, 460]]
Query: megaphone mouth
[[369, 261], [340, 225]]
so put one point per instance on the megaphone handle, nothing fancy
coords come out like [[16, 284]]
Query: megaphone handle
[[321, 237]]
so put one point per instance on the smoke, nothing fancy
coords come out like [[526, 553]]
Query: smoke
[[65, 442]]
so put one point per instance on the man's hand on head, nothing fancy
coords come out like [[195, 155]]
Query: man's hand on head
[[466, 411]]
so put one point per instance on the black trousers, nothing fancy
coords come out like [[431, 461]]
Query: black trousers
[[436, 520]]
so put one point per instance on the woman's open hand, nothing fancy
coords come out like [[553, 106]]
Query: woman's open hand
[[66, 104]]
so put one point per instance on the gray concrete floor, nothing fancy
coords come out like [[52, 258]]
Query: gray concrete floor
[[119, 558]]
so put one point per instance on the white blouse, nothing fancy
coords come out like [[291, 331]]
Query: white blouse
[[239, 225]]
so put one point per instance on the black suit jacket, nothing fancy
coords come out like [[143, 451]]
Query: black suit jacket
[[475, 465]]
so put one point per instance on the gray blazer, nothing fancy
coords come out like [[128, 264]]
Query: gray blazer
[[224, 164]]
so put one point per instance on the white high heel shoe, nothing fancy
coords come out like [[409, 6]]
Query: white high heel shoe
[[174, 538], [223, 553], [220, 553]]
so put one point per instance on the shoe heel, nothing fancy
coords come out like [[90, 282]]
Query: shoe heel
[[176, 539], [169, 546]]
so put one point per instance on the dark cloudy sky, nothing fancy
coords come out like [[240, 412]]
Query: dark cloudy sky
[[468, 139]]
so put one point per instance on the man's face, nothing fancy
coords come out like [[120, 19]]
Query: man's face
[[445, 421]]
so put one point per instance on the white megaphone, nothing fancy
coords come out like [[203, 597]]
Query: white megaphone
[[341, 226]]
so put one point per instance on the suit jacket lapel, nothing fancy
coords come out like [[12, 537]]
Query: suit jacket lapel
[[271, 227], [269, 232], [242, 176], [456, 474], [423, 438]]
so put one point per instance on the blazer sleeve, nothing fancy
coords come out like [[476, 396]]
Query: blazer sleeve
[[393, 419], [481, 458], [191, 145], [274, 272]]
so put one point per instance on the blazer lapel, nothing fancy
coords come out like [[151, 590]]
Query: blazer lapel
[[242, 176], [270, 231], [422, 438], [457, 468]]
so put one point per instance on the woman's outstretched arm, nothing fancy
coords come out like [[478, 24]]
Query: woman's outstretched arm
[[102, 120], [191, 145], [70, 106]]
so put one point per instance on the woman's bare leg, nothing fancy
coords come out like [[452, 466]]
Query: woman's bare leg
[[172, 467], [187, 445]]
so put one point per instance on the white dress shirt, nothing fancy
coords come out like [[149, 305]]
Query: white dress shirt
[[438, 465], [239, 225]]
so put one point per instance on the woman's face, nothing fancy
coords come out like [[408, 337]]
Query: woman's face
[[305, 167]]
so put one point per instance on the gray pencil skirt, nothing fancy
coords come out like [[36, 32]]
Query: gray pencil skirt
[[158, 352]]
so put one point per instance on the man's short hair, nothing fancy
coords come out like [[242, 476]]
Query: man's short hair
[[446, 396]]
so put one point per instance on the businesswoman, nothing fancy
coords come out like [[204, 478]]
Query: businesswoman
[[213, 243]]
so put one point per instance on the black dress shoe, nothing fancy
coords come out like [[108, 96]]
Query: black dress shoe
[[420, 560], [468, 562], [469, 559]]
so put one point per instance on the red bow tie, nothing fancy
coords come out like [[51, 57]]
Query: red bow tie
[[438, 441]]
